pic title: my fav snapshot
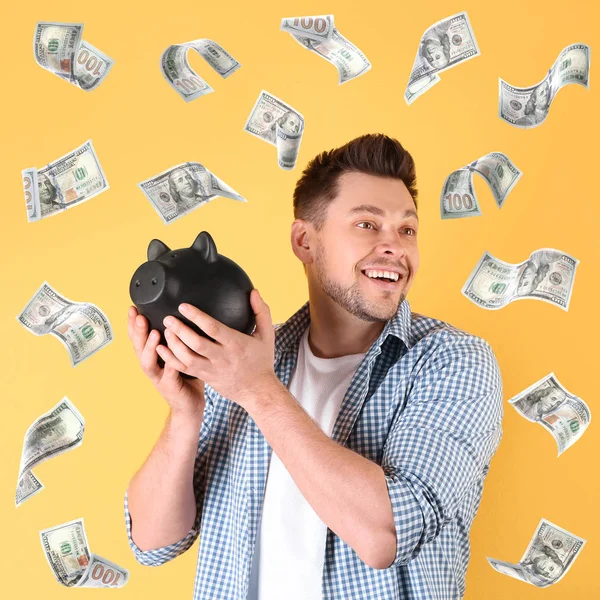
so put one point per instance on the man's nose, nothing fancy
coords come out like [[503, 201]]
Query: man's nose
[[396, 245]]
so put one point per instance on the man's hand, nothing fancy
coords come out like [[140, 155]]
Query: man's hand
[[235, 365], [184, 396]]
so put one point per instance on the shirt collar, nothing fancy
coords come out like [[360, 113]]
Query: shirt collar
[[288, 334]]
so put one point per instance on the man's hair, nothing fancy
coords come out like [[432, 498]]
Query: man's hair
[[373, 154]]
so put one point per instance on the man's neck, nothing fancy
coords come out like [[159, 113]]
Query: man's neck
[[334, 332]]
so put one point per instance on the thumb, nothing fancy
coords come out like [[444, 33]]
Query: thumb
[[264, 324], [170, 374]]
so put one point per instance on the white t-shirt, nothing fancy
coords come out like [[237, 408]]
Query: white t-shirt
[[290, 545]]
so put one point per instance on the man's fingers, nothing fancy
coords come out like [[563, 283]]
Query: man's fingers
[[262, 312], [178, 348], [170, 359], [191, 340], [215, 329], [131, 317], [170, 374], [140, 334], [148, 356], [181, 350], [130, 320]]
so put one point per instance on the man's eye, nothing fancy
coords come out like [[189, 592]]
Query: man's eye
[[369, 223]]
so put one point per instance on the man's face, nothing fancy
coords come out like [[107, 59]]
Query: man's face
[[352, 240], [45, 189], [550, 402], [435, 55], [184, 182]]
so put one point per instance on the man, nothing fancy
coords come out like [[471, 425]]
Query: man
[[342, 453]]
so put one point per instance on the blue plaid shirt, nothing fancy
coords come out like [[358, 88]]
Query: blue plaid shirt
[[425, 404]]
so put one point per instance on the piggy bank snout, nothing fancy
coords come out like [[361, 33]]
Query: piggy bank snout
[[148, 283]]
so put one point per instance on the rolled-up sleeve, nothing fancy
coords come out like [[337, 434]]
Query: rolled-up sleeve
[[158, 556], [440, 445]]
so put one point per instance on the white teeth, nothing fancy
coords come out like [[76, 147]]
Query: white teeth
[[388, 274]]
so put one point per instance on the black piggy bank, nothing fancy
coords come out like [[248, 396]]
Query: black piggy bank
[[197, 275]]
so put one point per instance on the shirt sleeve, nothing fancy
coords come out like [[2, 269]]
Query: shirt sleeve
[[441, 444], [158, 556]]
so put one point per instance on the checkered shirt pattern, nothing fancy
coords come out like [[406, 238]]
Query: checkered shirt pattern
[[425, 404]]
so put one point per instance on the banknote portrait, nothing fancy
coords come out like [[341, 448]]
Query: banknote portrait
[[459, 179], [535, 271], [435, 47], [531, 277], [536, 109], [290, 122], [544, 561], [541, 402], [47, 190], [184, 189]]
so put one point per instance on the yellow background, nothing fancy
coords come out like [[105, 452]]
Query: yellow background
[[140, 127]]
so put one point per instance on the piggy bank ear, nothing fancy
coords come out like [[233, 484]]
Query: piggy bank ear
[[156, 248], [206, 246]]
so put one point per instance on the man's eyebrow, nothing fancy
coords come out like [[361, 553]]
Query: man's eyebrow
[[371, 208]]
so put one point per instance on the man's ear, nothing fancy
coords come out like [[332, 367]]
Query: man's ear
[[298, 240]]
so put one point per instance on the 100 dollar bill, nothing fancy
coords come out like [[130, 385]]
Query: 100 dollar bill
[[319, 35], [81, 327], [550, 554], [56, 431], [528, 107], [183, 188], [444, 45], [58, 48], [458, 198], [67, 552], [548, 403], [70, 180], [275, 122], [547, 275], [183, 79]]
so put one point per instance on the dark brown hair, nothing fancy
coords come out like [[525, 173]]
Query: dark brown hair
[[373, 154]]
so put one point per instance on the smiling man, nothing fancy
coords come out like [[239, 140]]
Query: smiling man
[[340, 454]]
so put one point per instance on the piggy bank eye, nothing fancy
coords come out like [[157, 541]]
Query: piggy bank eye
[[174, 255]]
